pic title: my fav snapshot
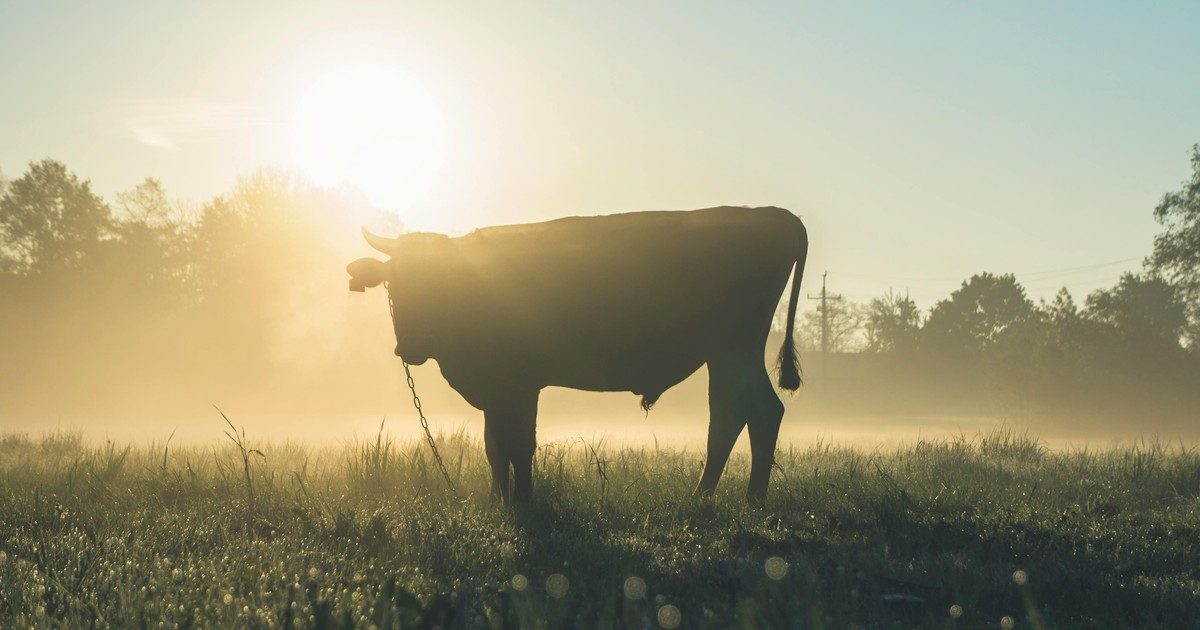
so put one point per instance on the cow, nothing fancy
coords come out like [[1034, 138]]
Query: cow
[[632, 302]]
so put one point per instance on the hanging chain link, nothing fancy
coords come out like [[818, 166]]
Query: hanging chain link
[[416, 400], [437, 456]]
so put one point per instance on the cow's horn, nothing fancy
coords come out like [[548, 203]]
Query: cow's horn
[[385, 245]]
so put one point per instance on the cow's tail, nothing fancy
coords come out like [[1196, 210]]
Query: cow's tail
[[789, 360]]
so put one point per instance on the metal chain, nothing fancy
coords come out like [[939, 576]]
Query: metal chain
[[416, 400], [437, 457]]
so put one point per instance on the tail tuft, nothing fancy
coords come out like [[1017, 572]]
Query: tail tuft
[[789, 360], [789, 366]]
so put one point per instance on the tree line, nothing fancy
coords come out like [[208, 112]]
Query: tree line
[[143, 295], [117, 302], [1132, 346]]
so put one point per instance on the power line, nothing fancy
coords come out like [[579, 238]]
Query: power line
[[1074, 284], [1044, 274], [882, 277], [1082, 268]]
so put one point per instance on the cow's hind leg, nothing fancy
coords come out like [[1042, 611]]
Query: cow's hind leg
[[510, 429], [740, 394], [725, 424], [765, 413]]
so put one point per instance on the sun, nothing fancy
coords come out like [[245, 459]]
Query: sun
[[372, 128]]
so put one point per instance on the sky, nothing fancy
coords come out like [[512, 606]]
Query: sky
[[921, 142]]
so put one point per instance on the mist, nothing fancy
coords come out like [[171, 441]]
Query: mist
[[134, 317]]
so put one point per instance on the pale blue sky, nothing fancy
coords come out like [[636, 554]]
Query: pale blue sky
[[920, 141]]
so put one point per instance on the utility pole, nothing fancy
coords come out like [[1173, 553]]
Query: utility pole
[[823, 309]]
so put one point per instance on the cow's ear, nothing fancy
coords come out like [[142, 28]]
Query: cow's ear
[[366, 272]]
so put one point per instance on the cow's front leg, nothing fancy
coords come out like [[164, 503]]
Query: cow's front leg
[[522, 463], [510, 434], [493, 441]]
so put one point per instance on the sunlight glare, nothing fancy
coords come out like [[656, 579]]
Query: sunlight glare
[[371, 128]]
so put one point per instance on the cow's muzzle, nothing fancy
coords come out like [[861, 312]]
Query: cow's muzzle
[[411, 360]]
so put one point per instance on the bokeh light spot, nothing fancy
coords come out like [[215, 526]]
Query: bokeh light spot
[[519, 582], [669, 617], [557, 585], [776, 567], [635, 588]]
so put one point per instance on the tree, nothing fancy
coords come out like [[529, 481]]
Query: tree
[[1177, 249], [893, 322], [152, 234], [1062, 311], [845, 320], [7, 263], [1064, 326], [978, 316], [1144, 310], [147, 204], [50, 219]]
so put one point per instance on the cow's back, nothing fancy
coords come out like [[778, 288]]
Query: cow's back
[[623, 302]]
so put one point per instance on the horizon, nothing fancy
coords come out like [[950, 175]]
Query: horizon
[[897, 134]]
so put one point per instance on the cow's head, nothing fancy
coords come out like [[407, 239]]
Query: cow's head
[[411, 275]]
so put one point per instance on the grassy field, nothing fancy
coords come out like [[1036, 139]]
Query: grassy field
[[972, 532]]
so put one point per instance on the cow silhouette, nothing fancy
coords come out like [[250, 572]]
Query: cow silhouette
[[631, 302]]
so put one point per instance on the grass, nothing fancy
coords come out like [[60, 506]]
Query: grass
[[258, 534]]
